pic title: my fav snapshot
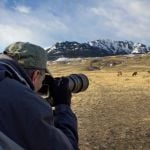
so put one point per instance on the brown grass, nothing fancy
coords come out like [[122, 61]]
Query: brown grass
[[114, 112]]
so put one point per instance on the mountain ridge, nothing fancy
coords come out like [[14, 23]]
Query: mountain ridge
[[97, 48]]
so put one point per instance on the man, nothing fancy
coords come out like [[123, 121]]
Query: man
[[24, 116]]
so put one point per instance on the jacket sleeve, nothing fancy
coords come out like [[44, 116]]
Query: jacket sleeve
[[62, 135], [36, 121], [47, 137], [66, 121]]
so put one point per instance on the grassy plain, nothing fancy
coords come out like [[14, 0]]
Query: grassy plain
[[114, 112]]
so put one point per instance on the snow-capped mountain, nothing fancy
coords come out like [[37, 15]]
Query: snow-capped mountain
[[96, 48]]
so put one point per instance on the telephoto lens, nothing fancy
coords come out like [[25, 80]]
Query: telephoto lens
[[78, 82]]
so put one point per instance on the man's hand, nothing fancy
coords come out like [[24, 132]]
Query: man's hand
[[60, 91]]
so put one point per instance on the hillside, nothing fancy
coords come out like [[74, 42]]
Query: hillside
[[123, 62], [140, 62]]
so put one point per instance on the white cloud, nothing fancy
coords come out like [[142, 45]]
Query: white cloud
[[136, 8], [12, 33], [23, 9], [37, 27], [131, 19], [39, 34]]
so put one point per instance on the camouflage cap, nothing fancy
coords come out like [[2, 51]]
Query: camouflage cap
[[28, 55]]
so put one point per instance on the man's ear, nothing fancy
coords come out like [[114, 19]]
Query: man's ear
[[35, 75]]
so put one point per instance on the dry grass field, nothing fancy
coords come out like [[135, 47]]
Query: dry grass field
[[114, 112]]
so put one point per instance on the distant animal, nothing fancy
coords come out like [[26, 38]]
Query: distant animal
[[119, 73], [148, 71], [134, 73]]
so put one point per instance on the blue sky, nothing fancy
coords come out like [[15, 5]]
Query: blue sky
[[45, 22]]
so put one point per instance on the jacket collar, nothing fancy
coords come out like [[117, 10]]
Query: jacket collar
[[15, 71]]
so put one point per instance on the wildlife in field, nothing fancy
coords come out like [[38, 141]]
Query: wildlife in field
[[134, 73]]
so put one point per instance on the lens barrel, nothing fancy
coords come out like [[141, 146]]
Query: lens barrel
[[78, 82]]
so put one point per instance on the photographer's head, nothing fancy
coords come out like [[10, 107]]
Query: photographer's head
[[32, 58]]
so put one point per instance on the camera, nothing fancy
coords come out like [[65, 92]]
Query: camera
[[76, 83]]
